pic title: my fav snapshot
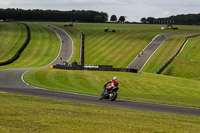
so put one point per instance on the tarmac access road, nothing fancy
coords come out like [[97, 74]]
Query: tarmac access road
[[143, 57], [11, 81]]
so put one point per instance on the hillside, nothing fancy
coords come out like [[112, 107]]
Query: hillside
[[12, 37]]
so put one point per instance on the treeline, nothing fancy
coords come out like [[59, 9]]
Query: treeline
[[53, 15], [188, 19]]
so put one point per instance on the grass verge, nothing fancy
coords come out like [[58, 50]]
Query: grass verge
[[37, 115], [139, 87]]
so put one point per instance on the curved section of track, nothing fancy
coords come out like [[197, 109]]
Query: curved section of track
[[11, 82]]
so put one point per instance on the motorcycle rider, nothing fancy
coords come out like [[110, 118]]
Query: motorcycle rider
[[114, 84]]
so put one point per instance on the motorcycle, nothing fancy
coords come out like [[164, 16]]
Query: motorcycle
[[108, 94]]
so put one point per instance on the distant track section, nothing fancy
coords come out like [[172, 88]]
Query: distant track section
[[16, 56], [144, 56]]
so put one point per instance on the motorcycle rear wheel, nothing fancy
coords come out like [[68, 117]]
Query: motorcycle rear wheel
[[113, 97]]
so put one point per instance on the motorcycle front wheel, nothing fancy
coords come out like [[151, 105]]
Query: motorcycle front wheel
[[101, 97]]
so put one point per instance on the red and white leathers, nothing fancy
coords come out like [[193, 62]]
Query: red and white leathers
[[114, 84]]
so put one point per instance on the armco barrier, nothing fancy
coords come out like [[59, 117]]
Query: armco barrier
[[100, 68], [16, 56], [82, 49], [160, 70]]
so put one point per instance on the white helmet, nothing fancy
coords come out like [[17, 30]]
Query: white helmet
[[115, 78]]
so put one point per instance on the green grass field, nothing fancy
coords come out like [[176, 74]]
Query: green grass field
[[12, 37], [20, 114], [42, 49]]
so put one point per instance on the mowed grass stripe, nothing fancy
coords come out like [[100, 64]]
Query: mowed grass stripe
[[11, 49], [103, 48], [140, 87], [12, 37], [42, 49], [98, 49]]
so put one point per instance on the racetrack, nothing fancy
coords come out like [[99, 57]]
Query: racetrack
[[11, 82]]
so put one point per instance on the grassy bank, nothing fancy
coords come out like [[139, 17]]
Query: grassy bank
[[12, 37], [42, 49], [139, 87], [22, 114], [187, 64]]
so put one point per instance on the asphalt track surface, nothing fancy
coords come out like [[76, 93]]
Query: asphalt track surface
[[11, 81], [143, 57]]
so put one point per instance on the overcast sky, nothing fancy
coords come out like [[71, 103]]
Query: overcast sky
[[133, 9]]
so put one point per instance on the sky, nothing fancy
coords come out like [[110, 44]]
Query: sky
[[133, 9]]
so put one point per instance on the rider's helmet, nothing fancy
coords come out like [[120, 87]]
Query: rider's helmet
[[115, 78]]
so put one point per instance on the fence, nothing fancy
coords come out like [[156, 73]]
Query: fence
[[160, 70], [82, 49], [16, 56]]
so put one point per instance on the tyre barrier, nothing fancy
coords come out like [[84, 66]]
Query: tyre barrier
[[95, 68], [162, 68], [16, 56]]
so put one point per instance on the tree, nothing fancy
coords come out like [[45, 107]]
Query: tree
[[53, 15], [113, 18], [143, 20], [150, 20], [98, 19], [121, 19]]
